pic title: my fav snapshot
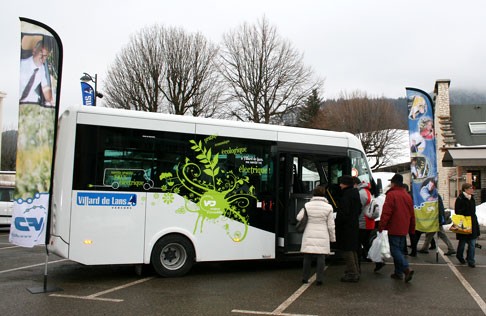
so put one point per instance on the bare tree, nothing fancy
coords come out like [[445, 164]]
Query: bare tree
[[165, 70], [135, 76], [266, 75], [9, 150], [375, 121]]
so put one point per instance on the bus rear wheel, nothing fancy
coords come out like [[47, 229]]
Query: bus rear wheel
[[172, 256]]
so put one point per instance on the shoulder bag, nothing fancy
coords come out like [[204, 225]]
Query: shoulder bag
[[300, 226], [461, 224]]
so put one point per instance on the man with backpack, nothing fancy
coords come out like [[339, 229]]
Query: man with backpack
[[369, 212]]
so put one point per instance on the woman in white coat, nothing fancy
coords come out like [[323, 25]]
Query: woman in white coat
[[318, 234]]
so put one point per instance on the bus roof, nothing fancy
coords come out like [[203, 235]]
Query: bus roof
[[209, 126]]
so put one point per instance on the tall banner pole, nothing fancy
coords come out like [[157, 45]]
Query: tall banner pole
[[39, 95], [423, 164]]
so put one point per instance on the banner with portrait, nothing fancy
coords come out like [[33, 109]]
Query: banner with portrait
[[423, 164], [39, 94]]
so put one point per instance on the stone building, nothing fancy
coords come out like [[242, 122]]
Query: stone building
[[461, 145], [460, 133]]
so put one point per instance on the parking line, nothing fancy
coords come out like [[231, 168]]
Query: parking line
[[95, 296], [279, 310], [464, 282], [8, 247], [31, 266], [113, 300]]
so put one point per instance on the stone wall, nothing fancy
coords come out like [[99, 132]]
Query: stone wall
[[441, 115]]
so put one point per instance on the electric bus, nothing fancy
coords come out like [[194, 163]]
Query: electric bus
[[133, 187]]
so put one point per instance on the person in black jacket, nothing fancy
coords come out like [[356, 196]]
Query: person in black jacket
[[347, 228], [465, 205]]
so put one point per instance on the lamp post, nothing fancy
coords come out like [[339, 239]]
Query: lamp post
[[86, 78]]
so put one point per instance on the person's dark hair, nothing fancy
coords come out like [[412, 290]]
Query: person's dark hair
[[319, 191], [466, 186], [356, 180], [427, 181], [347, 180], [397, 179]]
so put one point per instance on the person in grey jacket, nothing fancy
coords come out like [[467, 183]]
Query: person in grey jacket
[[366, 224], [318, 234]]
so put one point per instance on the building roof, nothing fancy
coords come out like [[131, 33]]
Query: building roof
[[465, 156], [470, 148], [461, 116]]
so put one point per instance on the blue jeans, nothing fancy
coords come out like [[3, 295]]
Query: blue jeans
[[397, 244], [471, 248]]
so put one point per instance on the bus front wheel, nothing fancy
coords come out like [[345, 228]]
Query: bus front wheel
[[172, 256]]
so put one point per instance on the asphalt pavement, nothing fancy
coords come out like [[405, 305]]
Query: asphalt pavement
[[441, 286]]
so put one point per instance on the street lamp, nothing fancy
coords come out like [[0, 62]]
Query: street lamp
[[86, 78]]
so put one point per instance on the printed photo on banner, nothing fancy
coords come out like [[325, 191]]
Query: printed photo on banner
[[428, 190], [417, 144], [419, 168], [38, 69], [426, 125], [417, 106]]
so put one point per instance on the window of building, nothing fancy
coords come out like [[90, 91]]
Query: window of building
[[475, 178], [477, 127]]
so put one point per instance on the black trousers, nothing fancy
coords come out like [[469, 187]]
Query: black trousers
[[321, 262]]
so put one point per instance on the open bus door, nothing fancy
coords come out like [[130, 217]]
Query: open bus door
[[295, 189], [293, 194]]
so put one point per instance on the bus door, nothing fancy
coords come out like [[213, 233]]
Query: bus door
[[294, 191], [335, 168], [299, 174]]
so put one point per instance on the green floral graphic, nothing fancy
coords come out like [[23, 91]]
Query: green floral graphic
[[216, 193]]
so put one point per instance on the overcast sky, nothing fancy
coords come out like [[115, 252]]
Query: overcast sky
[[377, 46]]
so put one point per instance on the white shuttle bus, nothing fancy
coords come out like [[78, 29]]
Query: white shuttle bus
[[134, 187]]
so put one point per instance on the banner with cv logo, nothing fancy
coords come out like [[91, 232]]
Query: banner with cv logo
[[39, 94]]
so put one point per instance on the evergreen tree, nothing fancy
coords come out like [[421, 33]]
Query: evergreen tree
[[309, 110]]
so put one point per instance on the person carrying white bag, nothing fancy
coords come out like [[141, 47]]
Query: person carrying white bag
[[398, 218]]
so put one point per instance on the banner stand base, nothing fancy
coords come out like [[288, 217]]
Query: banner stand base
[[43, 289]]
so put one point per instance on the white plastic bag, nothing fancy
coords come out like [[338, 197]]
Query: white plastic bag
[[385, 245], [374, 253], [380, 247]]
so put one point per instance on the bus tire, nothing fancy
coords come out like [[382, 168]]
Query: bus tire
[[172, 256]]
